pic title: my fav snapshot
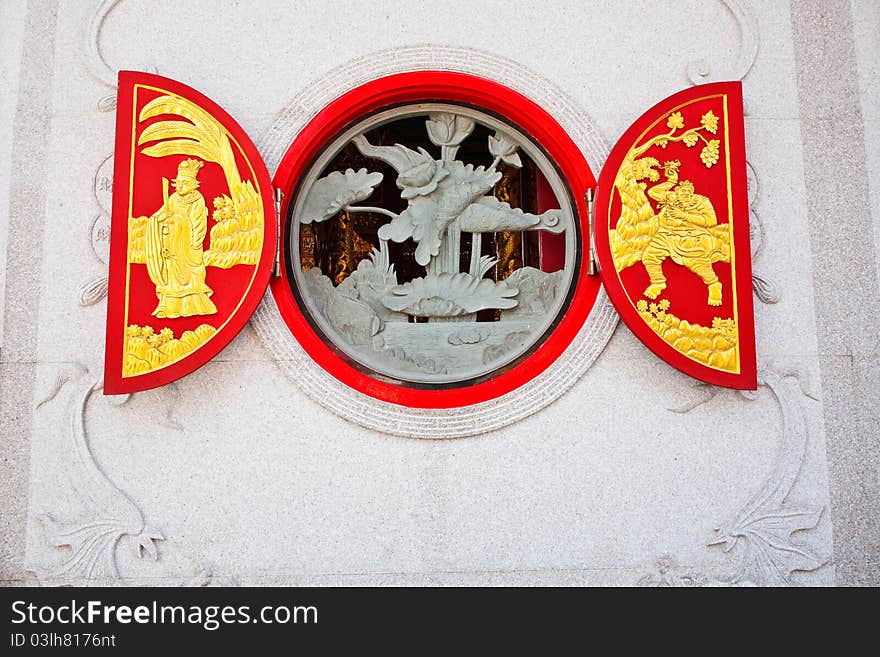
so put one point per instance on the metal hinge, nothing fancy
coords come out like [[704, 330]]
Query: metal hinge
[[276, 269], [593, 261]]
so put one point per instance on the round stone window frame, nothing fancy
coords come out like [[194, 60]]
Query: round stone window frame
[[546, 373], [460, 377]]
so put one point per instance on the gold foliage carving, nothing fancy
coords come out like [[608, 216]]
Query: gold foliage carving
[[146, 350], [715, 346], [237, 235], [638, 222], [137, 239]]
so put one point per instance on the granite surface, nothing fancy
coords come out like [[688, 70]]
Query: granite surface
[[235, 475]]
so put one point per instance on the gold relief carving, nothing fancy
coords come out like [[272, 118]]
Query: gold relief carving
[[308, 246], [685, 229], [687, 232], [137, 237], [714, 346], [508, 244], [342, 250], [146, 350], [237, 235], [170, 242], [173, 248]]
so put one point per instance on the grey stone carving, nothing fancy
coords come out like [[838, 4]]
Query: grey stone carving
[[445, 198], [763, 530], [91, 541], [447, 296], [483, 417], [331, 194], [765, 290], [538, 292], [668, 573], [701, 72], [94, 290], [93, 58], [766, 524], [353, 319]]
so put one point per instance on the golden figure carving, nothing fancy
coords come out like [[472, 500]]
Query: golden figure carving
[[237, 235], [687, 232], [171, 241], [685, 229], [173, 248], [146, 350]]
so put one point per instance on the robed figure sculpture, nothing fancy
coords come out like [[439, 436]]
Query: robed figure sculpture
[[174, 248]]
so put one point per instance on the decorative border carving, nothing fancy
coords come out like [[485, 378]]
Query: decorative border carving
[[94, 290], [765, 526], [113, 516], [765, 290], [432, 423], [700, 72], [92, 56], [93, 541], [94, 60]]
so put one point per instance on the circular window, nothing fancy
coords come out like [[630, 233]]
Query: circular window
[[433, 240]]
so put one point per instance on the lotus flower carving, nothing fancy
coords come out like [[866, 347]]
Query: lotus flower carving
[[447, 129], [447, 196], [441, 200], [449, 295], [503, 148]]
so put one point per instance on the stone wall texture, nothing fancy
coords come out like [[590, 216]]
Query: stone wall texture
[[261, 469]]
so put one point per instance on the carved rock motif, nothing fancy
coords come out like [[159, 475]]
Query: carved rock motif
[[537, 292]]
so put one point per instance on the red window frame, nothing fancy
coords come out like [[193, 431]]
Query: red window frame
[[483, 94]]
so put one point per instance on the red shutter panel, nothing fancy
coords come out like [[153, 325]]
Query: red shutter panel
[[193, 233], [672, 234]]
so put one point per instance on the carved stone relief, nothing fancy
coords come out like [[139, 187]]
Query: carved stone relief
[[701, 72], [427, 327], [90, 542], [772, 537], [453, 422], [764, 289], [766, 525]]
